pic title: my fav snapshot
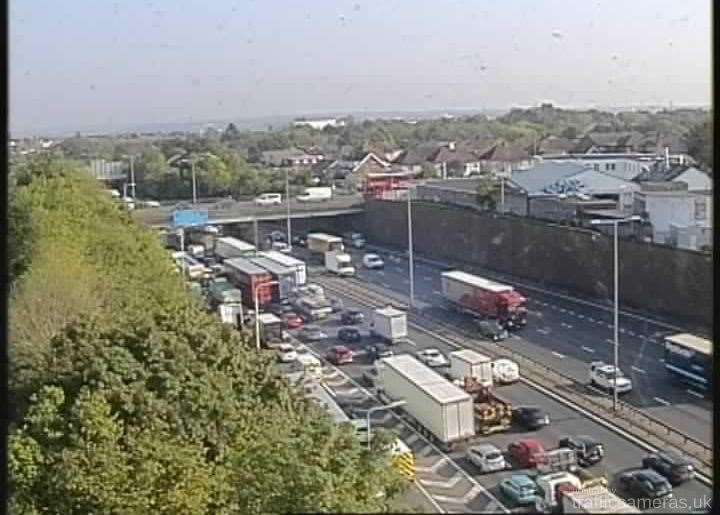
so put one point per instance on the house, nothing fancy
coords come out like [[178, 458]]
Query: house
[[609, 142], [411, 160], [555, 145], [696, 180], [505, 157], [292, 157], [453, 160], [679, 217]]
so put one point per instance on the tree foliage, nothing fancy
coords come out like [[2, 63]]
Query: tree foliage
[[699, 140], [129, 398]]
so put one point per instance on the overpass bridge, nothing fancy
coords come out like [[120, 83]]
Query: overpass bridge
[[235, 212]]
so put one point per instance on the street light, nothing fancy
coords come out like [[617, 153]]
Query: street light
[[257, 311], [616, 282], [410, 249], [392, 405], [287, 205]]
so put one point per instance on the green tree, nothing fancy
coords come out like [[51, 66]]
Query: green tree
[[699, 140], [488, 192]]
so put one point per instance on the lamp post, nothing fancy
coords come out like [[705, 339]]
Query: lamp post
[[194, 183], [411, 264], [257, 311], [287, 206], [392, 405], [616, 284]]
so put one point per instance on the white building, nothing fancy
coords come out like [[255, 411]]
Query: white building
[[108, 170], [319, 124]]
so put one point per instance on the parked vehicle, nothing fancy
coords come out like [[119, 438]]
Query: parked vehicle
[[288, 261], [286, 353], [608, 378], [375, 352], [196, 251], [312, 334], [340, 355], [550, 489], [487, 458], [484, 298], [349, 335], [676, 468], [492, 413], [321, 243], [587, 450], [440, 407], [228, 247], [268, 199], [530, 417], [527, 453], [493, 330], [432, 358], [468, 363], [645, 483], [339, 263], [519, 488], [252, 281], [150, 203], [389, 324], [280, 246], [352, 317], [316, 194], [373, 262], [505, 371], [292, 320]]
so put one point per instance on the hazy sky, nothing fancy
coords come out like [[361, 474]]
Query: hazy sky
[[96, 62]]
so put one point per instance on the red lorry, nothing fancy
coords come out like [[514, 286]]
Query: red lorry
[[484, 298], [251, 279]]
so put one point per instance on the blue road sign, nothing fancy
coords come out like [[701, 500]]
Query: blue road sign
[[189, 217]]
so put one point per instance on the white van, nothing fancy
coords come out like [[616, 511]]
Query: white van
[[317, 194], [269, 199]]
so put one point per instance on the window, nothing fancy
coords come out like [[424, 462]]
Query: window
[[612, 166], [700, 209], [596, 167]]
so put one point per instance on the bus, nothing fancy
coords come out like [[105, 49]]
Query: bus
[[689, 358]]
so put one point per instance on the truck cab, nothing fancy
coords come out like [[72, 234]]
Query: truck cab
[[339, 263], [512, 310]]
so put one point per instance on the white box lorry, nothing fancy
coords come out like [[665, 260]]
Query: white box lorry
[[320, 243], [390, 324], [468, 363], [339, 263], [440, 407], [231, 313], [316, 194]]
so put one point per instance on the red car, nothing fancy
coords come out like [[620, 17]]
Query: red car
[[527, 453], [292, 320], [340, 355]]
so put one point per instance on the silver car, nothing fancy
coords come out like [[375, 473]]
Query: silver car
[[487, 458]]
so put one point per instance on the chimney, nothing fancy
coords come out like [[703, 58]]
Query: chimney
[[667, 157], [451, 145]]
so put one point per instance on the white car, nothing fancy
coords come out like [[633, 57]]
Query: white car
[[606, 377], [432, 358], [372, 261], [150, 203], [286, 353], [269, 199], [487, 458]]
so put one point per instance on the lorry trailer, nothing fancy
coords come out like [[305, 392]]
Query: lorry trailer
[[484, 298], [229, 247], [441, 408], [285, 276], [468, 363], [289, 261], [390, 324], [251, 280]]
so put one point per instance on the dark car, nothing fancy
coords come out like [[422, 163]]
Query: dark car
[[375, 352], [352, 317], [312, 334], [349, 335], [530, 417], [299, 241], [493, 330], [336, 304], [277, 236], [587, 450], [645, 483], [676, 468]]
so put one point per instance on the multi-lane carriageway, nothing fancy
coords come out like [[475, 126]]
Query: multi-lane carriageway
[[448, 480]]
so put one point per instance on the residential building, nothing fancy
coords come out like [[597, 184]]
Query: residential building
[[505, 157], [452, 160], [292, 157], [554, 145], [108, 170], [696, 179], [679, 217]]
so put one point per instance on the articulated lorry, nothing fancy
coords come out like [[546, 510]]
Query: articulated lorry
[[483, 298], [492, 413], [251, 279], [285, 276], [442, 410]]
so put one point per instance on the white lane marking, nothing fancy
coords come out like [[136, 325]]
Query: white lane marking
[[590, 319], [588, 349], [435, 466], [662, 360], [640, 370], [566, 325], [558, 355], [600, 322], [380, 272], [622, 330], [474, 492], [571, 312], [435, 292], [542, 331], [580, 316], [642, 337], [696, 394], [385, 285], [611, 342], [661, 401], [562, 310], [610, 326], [630, 333], [450, 483], [428, 278], [411, 342], [544, 303]]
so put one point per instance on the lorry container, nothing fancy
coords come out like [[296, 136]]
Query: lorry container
[[296, 264], [597, 499], [251, 280], [220, 291], [468, 363], [339, 263], [492, 413], [285, 276], [320, 243], [229, 247], [316, 194], [389, 323], [272, 330], [440, 407], [231, 313], [484, 298]]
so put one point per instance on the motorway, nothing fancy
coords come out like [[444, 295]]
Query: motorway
[[566, 336], [452, 482], [232, 211]]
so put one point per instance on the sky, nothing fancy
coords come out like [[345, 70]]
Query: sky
[[106, 64]]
